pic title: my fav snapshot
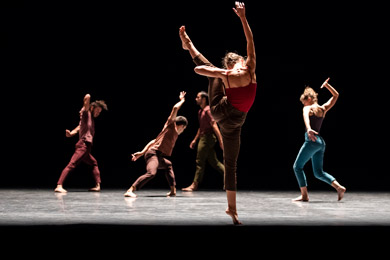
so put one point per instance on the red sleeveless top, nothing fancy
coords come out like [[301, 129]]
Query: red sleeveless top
[[242, 98]]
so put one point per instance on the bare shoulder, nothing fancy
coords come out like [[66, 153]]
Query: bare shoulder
[[307, 108], [239, 78], [318, 110], [322, 107]]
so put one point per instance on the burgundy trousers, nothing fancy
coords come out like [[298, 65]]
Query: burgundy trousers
[[81, 154]]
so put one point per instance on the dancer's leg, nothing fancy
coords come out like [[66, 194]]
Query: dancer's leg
[[170, 175], [304, 155], [232, 210], [80, 152], [317, 163], [90, 160], [187, 43], [231, 133], [215, 90], [201, 157], [151, 171]]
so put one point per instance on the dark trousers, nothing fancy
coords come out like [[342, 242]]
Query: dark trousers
[[230, 121], [81, 154], [207, 153], [155, 161]]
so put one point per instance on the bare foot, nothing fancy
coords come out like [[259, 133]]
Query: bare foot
[[130, 193], [340, 192], [171, 194], [301, 198], [192, 187], [185, 40], [60, 189], [96, 188], [234, 216]]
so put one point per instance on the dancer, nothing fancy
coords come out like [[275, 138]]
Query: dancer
[[229, 110], [158, 149], [207, 134], [314, 145], [86, 130]]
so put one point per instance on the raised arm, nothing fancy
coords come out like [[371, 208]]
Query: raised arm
[[86, 105], [209, 71], [250, 45], [177, 106], [335, 95], [87, 102]]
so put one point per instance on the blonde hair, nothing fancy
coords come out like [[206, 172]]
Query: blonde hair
[[309, 92], [230, 59]]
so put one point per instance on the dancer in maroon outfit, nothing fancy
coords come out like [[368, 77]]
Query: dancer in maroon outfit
[[86, 130]]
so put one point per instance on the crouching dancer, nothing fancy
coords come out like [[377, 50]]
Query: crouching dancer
[[156, 151]]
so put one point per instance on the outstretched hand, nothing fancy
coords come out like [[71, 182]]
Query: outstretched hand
[[135, 156], [68, 133], [240, 9], [182, 95]]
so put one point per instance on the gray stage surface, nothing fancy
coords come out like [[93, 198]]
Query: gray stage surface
[[269, 218], [152, 207]]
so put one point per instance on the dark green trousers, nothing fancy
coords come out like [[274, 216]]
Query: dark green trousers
[[206, 153]]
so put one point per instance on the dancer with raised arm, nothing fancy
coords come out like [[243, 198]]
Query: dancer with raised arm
[[86, 131], [232, 91], [314, 145], [156, 151]]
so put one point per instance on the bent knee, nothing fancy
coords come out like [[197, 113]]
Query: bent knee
[[297, 168]]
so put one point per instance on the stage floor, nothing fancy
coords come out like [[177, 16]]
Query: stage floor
[[28, 207], [91, 223]]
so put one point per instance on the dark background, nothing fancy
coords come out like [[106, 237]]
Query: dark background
[[131, 56]]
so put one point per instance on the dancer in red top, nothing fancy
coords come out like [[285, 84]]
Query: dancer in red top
[[229, 109], [86, 130]]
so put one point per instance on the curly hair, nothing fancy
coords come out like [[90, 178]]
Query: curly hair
[[99, 103], [309, 92]]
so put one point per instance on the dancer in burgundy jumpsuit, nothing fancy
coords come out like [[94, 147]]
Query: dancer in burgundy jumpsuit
[[86, 130]]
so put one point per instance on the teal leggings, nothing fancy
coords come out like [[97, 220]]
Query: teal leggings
[[315, 152]]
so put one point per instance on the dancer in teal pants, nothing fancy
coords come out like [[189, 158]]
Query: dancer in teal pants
[[314, 145]]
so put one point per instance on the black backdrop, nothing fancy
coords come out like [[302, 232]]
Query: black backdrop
[[131, 57]]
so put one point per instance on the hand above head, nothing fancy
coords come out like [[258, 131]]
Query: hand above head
[[240, 9], [325, 84]]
